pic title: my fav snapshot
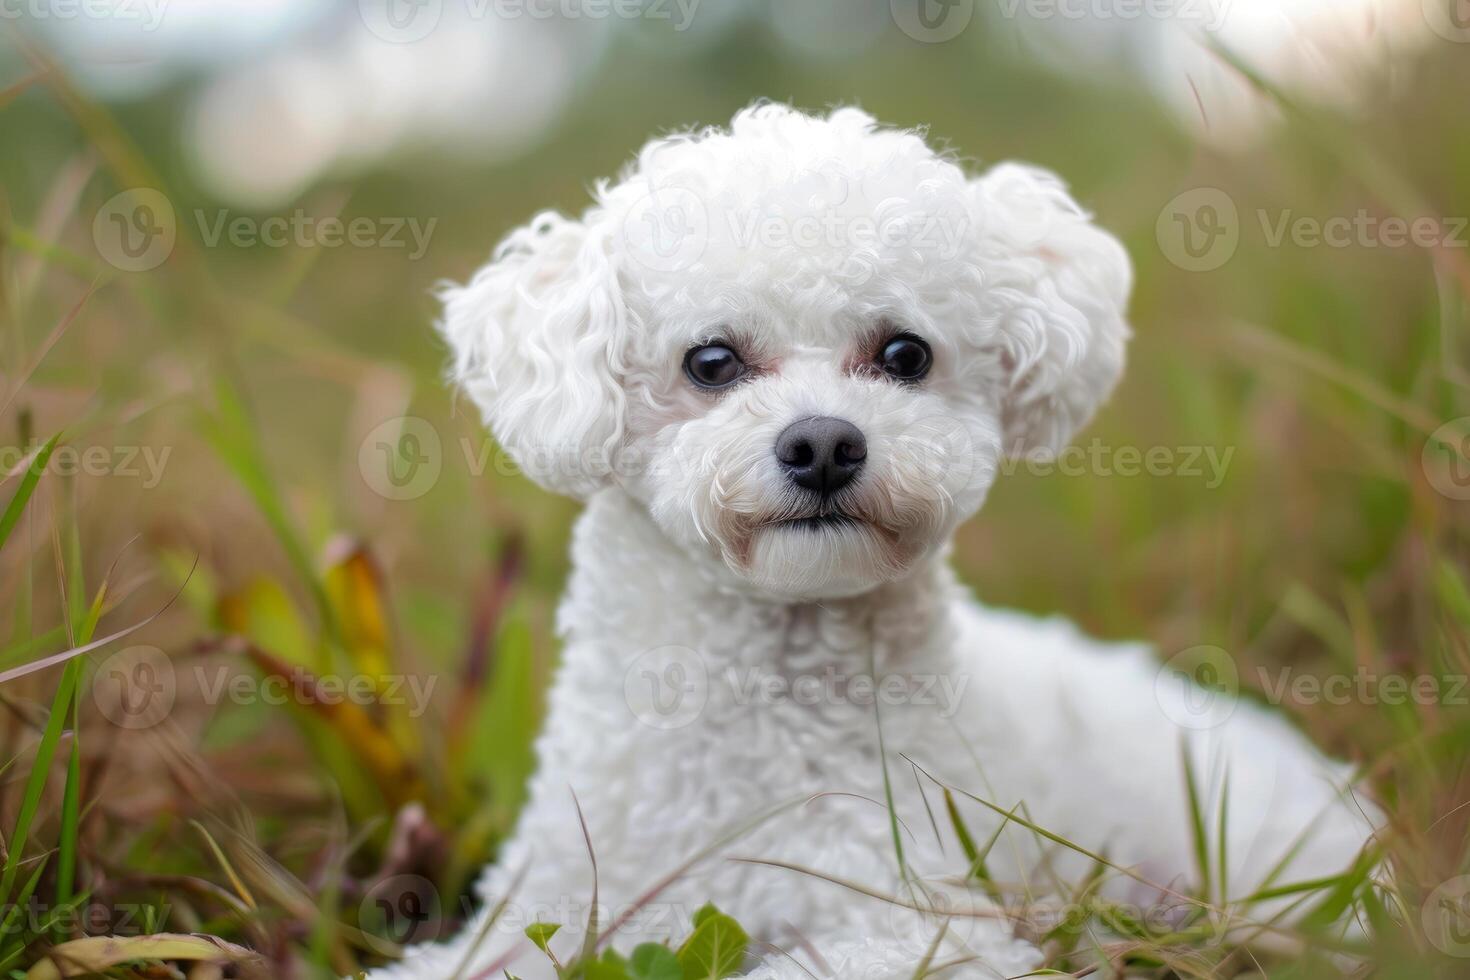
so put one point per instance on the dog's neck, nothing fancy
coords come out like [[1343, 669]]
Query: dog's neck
[[625, 568]]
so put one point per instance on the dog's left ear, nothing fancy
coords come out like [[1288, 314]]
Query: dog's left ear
[[1065, 283], [535, 337]]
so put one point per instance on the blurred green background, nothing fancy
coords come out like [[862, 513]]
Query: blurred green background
[[262, 376]]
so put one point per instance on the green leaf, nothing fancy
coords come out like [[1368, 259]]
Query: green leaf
[[652, 961], [1453, 594], [540, 933], [715, 949], [610, 966], [502, 729]]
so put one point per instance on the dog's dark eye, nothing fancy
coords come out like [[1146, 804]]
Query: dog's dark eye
[[713, 366], [905, 357]]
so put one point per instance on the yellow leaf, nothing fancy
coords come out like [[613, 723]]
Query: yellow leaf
[[95, 954], [355, 588]]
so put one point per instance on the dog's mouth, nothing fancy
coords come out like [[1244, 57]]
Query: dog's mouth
[[830, 520], [835, 548]]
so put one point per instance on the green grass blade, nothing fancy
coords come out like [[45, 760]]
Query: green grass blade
[[1222, 841], [27, 487], [1056, 838], [36, 782], [66, 850], [887, 780], [1196, 819], [967, 843], [45, 663], [230, 432], [977, 870], [24, 648], [10, 928], [66, 857]]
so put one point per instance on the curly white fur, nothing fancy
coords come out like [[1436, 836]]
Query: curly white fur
[[719, 663]]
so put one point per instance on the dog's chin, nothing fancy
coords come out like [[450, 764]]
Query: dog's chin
[[829, 557]]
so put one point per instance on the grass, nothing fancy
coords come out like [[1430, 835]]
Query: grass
[[293, 833]]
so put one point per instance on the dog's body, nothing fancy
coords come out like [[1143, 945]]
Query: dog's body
[[759, 654]]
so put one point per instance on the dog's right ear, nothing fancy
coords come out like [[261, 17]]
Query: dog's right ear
[[1066, 282], [535, 337]]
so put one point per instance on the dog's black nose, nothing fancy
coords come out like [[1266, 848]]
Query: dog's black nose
[[821, 454]]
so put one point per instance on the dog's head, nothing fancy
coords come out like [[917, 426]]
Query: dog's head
[[804, 343]]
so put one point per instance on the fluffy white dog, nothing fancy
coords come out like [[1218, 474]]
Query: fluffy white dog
[[781, 363]]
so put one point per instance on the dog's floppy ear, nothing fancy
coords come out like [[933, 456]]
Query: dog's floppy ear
[[1066, 282], [535, 337]]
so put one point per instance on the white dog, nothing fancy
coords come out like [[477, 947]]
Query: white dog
[[781, 363]]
